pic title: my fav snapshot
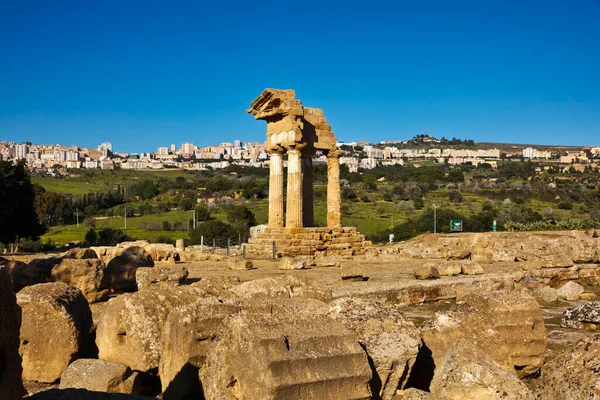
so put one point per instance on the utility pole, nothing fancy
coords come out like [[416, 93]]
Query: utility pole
[[194, 216], [77, 212], [125, 217], [434, 218]]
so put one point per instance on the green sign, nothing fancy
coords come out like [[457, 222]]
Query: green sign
[[495, 226], [456, 225]]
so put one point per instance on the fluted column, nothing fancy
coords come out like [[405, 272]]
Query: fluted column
[[334, 200], [308, 214], [276, 188], [293, 215]]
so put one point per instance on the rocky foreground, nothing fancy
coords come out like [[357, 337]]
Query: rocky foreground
[[470, 316]]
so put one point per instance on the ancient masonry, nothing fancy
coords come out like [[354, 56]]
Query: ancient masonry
[[301, 132]]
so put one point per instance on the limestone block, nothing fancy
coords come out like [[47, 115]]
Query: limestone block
[[86, 274], [587, 296], [81, 254], [121, 269], [269, 357], [445, 268], [546, 294], [173, 276], [21, 274], [426, 272], [570, 291], [100, 376], [162, 252], [56, 324], [390, 339], [187, 336], [573, 374], [353, 272], [130, 328], [283, 286], [585, 316], [412, 394], [216, 286], [239, 264], [507, 324], [11, 385], [471, 268], [468, 373], [292, 263]]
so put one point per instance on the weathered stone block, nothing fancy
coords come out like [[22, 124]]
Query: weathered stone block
[[265, 357], [100, 376], [56, 323]]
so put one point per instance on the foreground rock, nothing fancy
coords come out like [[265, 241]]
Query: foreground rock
[[130, 327], [82, 394], [121, 269], [100, 376], [585, 316], [574, 373], [283, 286], [292, 263], [56, 323], [86, 274], [507, 324], [262, 356], [468, 373], [188, 334], [470, 268], [21, 274], [570, 291], [239, 264], [427, 272], [81, 254], [173, 276], [11, 386], [412, 394], [391, 341]]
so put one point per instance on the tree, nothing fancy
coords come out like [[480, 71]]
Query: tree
[[213, 229], [202, 213], [18, 218]]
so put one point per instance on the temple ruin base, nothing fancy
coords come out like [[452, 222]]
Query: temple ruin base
[[289, 242]]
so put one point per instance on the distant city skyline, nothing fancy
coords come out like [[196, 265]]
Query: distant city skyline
[[144, 75]]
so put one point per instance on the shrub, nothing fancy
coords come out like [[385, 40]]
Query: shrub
[[202, 213], [418, 203], [220, 231], [565, 205], [166, 226], [454, 196], [186, 204], [105, 237], [348, 194]]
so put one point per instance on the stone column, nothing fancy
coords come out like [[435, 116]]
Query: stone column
[[276, 188], [334, 213], [308, 214], [293, 216]]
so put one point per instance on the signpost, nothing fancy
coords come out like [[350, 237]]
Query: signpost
[[456, 225], [495, 226]]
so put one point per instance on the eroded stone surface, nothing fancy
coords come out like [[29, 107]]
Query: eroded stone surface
[[262, 356], [391, 341], [84, 273], [574, 373], [56, 323], [187, 336], [468, 373], [130, 327], [100, 376], [585, 316], [507, 324], [172, 275], [11, 385], [284, 286]]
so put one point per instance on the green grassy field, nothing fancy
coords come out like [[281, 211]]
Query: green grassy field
[[76, 187]]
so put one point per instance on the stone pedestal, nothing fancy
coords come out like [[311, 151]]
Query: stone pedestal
[[334, 214], [294, 190], [276, 188]]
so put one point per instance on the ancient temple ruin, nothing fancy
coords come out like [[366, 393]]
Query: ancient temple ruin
[[300, 132]]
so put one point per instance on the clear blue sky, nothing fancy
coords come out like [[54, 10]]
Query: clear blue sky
[[143, 74]]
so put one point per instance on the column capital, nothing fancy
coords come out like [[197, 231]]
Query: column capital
[[295, 147], [335, 153], [274, 149]]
